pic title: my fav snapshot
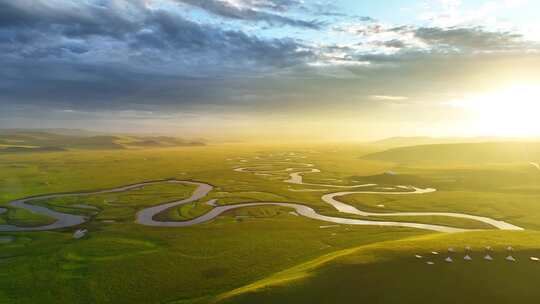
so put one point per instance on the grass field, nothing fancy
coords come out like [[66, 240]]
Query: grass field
[[262, 254], [389, 272]]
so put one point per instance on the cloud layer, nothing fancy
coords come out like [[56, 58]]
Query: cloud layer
[[183, 56]]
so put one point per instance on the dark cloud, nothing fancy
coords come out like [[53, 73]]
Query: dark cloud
[[471, 38], [40, 30], [251, 11], [394, 43], [372, 28], [114, 54], [168, 32], [72, 19], [475, 38], [441, 39]]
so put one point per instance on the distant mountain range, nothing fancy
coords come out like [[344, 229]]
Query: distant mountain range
[[425, 140], [19, 140], [493, 152]]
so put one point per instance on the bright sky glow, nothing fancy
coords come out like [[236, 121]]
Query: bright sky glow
[[512, 111]]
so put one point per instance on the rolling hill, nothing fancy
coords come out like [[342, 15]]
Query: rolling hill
[[389, 272], [494, 152], [15, 141], [403, 141]]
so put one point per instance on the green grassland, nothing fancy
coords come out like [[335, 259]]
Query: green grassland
[[261, 254], [128, 263], [389, 272]]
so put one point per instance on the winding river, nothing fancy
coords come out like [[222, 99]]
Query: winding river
[[147, 216], [63, 220]]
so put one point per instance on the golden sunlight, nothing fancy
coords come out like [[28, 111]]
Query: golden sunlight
[[512, 111]]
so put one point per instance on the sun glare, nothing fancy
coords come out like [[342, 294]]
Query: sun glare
[[513, 111]]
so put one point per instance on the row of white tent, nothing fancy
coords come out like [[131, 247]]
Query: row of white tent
[[468, 257]]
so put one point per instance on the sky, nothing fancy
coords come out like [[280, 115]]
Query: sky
[[272, 69]]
